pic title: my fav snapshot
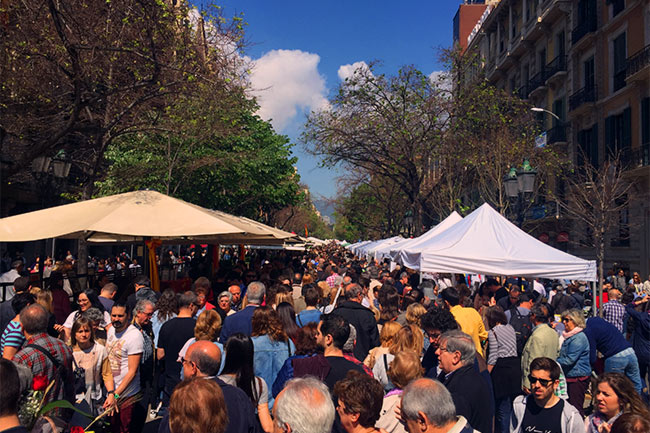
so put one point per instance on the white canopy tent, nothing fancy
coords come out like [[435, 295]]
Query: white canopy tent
[[369, 250], [485, 242], [394, 251]]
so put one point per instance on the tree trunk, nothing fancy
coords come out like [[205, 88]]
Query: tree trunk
[[82, 244], [601, 265]]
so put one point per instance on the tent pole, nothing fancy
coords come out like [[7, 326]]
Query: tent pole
[[594, 308]]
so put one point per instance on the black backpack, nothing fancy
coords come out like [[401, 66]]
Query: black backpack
[[523, 328]]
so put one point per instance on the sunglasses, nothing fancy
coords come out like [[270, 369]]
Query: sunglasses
[[543, 382]]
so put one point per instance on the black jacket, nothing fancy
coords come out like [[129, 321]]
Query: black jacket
[[472, 397], [363, 319]]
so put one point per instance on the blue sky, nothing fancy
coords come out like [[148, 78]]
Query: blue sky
[[300, 47]]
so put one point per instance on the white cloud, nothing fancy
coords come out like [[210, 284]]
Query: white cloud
[[285, 81], [346, 71]]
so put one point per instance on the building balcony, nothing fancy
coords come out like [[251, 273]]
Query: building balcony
[[537, 83], [637, 66], [636, 157], [583, 99], [551, 10], [522, 92], [589, 25], [556, 135], [556, 68]]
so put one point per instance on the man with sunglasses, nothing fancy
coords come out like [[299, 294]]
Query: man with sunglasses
[[542, 410]]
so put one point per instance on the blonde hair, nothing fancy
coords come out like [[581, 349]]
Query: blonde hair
[[414, 312], [208, 325], [575, 316], [388, 332], [409, 337], [43, 298], [283, 297]]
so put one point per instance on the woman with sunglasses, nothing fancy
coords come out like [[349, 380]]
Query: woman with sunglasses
[[615, 396], [574, 357]]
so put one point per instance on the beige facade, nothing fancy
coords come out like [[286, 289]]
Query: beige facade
[[588, 62]]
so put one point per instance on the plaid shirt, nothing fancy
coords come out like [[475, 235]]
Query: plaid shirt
[[614, 312], [41, 364], [331, 280]]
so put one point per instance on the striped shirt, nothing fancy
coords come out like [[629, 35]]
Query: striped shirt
[[502, 343], [12, 336]]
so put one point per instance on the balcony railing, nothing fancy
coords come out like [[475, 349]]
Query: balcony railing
[[537, 80], [556, 134], [637, 61], [587, 26], [638, 157], [556, 65], [582, 96]]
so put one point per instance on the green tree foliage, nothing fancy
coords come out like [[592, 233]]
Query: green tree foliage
[[250, 173], [385, 126]]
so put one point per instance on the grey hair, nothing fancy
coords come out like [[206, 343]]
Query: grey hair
[[432, 399], [301, 397], [255, 292], [349, 344], [576, 317], [403, 275], [353, 291], [205, 363], [93, 314], [187, 299], [142, 304], [225, 293], [109, 288], [458, 341]]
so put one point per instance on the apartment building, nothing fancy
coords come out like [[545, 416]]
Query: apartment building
[[588, 62]]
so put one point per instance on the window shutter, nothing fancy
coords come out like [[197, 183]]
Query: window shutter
[[593, 151], [626, 141], [610, 141], [645, 121]]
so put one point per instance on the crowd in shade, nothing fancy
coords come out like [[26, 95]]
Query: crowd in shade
[[324, 341]]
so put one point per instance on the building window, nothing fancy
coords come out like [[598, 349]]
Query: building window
[[531, 9], [620, 57], [588, 71], [617, 6], [588, 147], [645, 122], [618, 132], [622, 236]]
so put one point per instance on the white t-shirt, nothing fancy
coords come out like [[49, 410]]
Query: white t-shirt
[[69, 321], [120, 346]]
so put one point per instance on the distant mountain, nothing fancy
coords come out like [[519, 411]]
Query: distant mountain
[[325, 208]]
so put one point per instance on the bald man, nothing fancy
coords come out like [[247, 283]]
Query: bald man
[[203, 359]]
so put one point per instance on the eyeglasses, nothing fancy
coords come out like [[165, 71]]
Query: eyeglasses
[[443, 349], [543, 382], [433, 335], [183, 361], [565, 320]]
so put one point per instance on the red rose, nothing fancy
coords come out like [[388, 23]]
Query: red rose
[[76, 429], [40, 382]]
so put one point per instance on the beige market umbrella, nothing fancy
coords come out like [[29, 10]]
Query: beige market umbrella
[[129, 217]]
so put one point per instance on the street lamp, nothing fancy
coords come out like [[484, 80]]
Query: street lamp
[[519, 183], [543, 110]]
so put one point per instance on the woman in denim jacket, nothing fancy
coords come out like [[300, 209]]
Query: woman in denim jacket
[[272, 345], [574, 357]]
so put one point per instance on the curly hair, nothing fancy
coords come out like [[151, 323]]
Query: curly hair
[[361, 395], [306, 339], [438, 319], [267, 322], [167, 305], [208, 325], [629, 400]]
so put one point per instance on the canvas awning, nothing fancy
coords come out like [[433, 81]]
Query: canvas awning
[[133, 217]]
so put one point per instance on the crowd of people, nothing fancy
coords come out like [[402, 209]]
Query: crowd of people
[[327, 342]]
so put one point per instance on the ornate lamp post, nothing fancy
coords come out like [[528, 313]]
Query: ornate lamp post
[[518, 184]]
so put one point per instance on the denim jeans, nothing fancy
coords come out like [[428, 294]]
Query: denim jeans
[[625, 362], [502, 415]]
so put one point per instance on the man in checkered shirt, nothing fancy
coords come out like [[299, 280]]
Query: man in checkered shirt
[[34, 319], [331, 280], [613, 310]]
